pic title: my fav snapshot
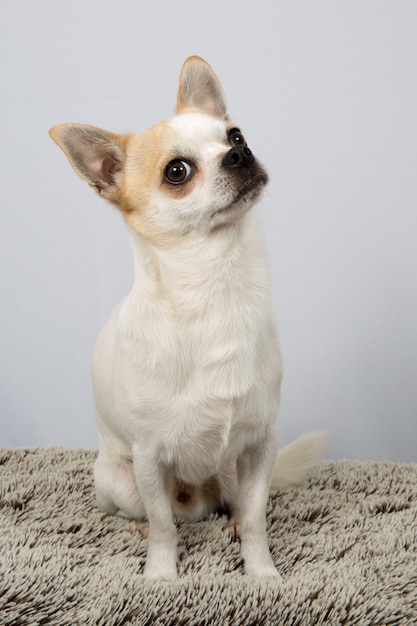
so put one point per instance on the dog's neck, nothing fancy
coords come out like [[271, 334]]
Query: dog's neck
[[194, 262]]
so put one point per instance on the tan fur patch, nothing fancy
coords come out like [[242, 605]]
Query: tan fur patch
[[148, 154]]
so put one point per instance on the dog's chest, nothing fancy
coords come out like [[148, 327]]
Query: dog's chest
[[205, 337], [194, 354], [192, 375]]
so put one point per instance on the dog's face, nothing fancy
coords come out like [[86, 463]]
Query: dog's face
[[191, 172]]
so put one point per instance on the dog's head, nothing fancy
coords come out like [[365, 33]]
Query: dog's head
[[193, 171]]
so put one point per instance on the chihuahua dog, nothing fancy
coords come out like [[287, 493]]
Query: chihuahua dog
[[187, 371]]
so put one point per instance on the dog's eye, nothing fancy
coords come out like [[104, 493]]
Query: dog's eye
[[178, 171], [236, 138]]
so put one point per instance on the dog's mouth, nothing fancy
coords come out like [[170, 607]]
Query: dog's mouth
[[252, 186], [246, 193]]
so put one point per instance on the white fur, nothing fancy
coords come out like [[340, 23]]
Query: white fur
[[186, 376], [187, 371]]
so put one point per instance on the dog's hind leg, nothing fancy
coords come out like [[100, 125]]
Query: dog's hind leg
[[117, 492]]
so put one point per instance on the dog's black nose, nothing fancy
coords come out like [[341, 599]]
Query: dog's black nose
[[239, 156]]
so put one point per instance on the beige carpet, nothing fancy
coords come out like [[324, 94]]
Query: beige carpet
[[346, 545]]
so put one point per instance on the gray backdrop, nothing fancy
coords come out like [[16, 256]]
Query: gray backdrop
[[326, 93]]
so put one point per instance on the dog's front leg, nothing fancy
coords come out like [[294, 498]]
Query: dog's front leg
[[254, 469], [155, 485]]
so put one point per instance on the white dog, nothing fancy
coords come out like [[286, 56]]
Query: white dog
[[187, 370]]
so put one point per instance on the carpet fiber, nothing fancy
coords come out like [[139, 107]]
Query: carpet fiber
[[346, 545]]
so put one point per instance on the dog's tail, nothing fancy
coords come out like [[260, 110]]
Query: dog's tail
[[296, 460]]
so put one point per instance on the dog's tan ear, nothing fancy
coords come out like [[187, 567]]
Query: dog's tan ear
[[200, 89], [96, 155]]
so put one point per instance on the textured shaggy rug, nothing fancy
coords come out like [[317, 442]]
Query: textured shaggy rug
[[346, 545]]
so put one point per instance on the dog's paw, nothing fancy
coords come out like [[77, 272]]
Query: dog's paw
[[233, 527], [263, 571], [258, 560], [143, 528], [161, 560], [161, 572]]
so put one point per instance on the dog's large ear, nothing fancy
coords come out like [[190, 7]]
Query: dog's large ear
[[96, 155], [200, 89]]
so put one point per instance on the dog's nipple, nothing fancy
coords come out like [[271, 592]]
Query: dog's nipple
[[183, 496], [182, 492]]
